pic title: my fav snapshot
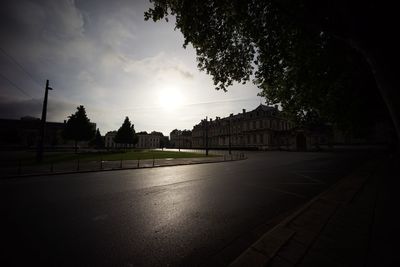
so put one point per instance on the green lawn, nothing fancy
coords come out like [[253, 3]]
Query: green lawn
[[56, 157]]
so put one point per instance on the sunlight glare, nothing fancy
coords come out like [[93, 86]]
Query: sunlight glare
[[170, 98]]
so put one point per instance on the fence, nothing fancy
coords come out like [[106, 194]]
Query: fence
[[20, 168]]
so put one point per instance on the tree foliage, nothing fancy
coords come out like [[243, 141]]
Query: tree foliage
[[308, 56], [126, 133], [98, 140], [78, 127]]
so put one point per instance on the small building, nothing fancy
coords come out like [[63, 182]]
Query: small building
[[181, 139], [145, 140], [148, 141]]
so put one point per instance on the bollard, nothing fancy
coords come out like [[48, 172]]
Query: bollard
[[77, 166], [153, 161], [120, 164], [51, 167], [101, 164], [138, 162]]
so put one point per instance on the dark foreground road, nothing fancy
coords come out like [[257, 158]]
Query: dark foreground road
[[170, 216]]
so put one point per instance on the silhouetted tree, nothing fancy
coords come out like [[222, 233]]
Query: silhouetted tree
[[126, 134], [313, 57], [78, 127], [98, 140]]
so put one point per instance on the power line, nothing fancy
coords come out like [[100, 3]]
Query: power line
[[20, 66], [16, 86]]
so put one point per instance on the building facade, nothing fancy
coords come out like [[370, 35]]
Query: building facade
[[181, 139], [25, 133], [261, 128], [148, 141]]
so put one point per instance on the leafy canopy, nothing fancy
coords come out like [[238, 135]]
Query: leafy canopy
[[98, 140], [289, 49], [126, 133], [78, 127]]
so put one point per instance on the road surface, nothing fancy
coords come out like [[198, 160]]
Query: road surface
[[170, 216]]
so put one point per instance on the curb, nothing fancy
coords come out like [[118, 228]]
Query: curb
[[294, 226], [113, 169]]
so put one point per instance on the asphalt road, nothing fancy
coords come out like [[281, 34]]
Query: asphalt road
[[171, 216]]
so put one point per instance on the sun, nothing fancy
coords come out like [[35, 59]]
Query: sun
[[170, 98]]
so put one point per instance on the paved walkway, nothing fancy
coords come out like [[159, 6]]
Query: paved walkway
[[354, 223]]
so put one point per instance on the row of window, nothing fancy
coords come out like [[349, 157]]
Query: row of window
[[245, 126]]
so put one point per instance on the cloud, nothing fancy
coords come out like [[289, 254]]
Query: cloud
[[103, 55], [33, 107], [157, 66]]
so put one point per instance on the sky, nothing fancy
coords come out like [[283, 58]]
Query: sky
[[102, 54]]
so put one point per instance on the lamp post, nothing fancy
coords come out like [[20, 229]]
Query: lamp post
[[179, 140], [229, 131], [206, 136]]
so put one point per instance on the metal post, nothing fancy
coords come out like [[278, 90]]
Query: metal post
[[120, 164], [39, 155], [153, 161], [51, 167], [101, 163], [77, 166], [138, 162], [206, 136], [230, 142]]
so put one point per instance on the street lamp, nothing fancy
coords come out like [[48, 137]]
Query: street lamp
[[179, 140], [229, 131]]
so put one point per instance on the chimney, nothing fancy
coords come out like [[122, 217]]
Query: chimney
[[231, 115], [244, 110]]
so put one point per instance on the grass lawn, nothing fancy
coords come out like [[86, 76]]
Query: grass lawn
[[56, 157]]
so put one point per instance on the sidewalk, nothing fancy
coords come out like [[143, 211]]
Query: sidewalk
[[354, 223], [93, 166]]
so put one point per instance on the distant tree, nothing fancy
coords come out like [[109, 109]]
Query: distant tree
[[126, 134], [98, 141], [326, 59], [143, 132], [78, 127]]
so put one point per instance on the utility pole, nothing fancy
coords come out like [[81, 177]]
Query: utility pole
[[39, 155], [206, 136]]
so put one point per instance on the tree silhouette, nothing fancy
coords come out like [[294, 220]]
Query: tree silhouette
[[126, 134], [314, 57], [98, 140], [78, 127]]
